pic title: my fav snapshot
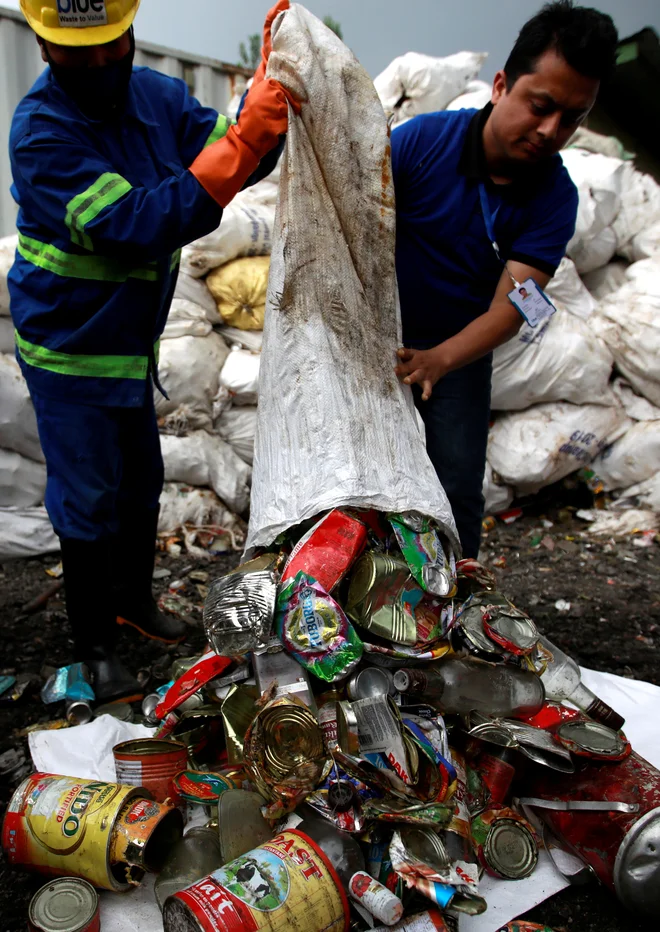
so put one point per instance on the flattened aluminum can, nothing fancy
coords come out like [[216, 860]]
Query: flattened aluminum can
[[63, 826], [152, 763], [375, 597], [370, 682], [68, 904]]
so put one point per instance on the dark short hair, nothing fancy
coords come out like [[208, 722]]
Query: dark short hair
[[585, 38]]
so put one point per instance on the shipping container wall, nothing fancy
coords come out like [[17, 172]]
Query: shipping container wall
[[212, 82]]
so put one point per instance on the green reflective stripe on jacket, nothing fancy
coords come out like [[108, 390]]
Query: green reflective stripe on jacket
[[221, 129], [91, 268], [100, 367], [175, 260], [85, 207]]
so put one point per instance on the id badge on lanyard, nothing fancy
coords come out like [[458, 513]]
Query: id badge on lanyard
[[527, 297]]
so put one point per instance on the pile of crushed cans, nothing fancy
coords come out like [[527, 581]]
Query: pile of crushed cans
[[373, 728]]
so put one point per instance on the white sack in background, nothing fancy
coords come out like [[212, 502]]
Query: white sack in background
[[599, 181], [186, 320], [629, 322], [22, 481], [634, 457], [205, 460], [246, 229], [644, 494], [593, 251], [251, 340], [18, 424], [562, 360], [497, 497], [7, 255], [645, 244], [189, 371], [476, 95], [587, 139], [567, 287], [240, 376], [196, 291], [640, 206], [534, 448], [238, 427], [602, 282], [335, 425], [415, 83], [7, 340], [182, 506], [637, 407], [25, 532]]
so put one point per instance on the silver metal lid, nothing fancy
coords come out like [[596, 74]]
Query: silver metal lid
[[637, 866], [593, 737], [119, 710], [510, 849], [370, 682], [65, 905], [426, 846]]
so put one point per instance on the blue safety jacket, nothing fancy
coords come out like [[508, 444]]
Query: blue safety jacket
[[105, 208]]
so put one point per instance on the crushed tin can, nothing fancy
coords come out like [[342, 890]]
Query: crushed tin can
[[315, 631], [152, 763], [238, 710], [60, 825], [535, 743], [68, 904], [383, 598], [473, 576], [285, 885], [284, 752], [424, 552], [369, 682], [348, 733], [238, 610], [609, 816], [328, 550], [504, 624], [191, 681], [506, 843], [593, 740]]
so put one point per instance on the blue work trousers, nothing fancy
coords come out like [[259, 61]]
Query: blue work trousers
[[456, 419], [102, 463]]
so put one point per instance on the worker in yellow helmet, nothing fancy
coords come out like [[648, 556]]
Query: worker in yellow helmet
[[115, 168]]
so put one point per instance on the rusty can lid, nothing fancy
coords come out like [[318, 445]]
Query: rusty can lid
[[65, 905], [593, 737], [637, 867], [510, 849]]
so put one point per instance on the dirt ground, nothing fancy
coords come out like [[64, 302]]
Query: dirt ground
[[613, 624]]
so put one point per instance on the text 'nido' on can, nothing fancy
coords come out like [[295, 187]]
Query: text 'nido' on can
[[68, 904]]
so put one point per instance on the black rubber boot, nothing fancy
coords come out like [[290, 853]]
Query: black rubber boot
[[89, 604], [136, 554]]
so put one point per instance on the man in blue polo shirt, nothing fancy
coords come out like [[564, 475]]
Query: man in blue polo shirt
[[483, 205]]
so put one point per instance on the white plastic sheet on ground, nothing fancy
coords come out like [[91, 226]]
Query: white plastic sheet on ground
[[415, 83], [202, 459], [18, 424], [26, 532], [561, 360], [335, 426], [534, 448], [137, 911], [22, 481], [629, 322]]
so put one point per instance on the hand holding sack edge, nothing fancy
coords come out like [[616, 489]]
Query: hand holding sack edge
[[223, 168], [267, 46]]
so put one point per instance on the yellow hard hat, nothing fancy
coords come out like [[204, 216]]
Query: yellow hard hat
[[80, 22]]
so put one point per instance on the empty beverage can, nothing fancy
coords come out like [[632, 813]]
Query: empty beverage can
[[68, 904]]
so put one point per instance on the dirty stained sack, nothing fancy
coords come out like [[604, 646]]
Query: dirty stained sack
[[335, 426]]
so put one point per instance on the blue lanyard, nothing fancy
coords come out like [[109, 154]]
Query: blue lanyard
[[489, 220]]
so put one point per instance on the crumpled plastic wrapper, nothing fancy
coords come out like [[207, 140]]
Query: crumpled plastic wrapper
[[238, 611]]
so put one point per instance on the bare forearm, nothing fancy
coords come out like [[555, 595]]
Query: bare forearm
[[480, 337]]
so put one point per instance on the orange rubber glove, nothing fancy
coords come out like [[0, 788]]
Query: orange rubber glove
[[223, 167], [267, 46]]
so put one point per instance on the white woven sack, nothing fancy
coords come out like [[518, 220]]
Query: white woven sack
[[186, 320], [601, 283], [7, 255], [22, 481], [246, 229], [335, 426], [240, 376], [534, 448], [189, 371], [424, 83], [629, 322], [205, 460], [497, 497], [18, 424], [476, 95], [561, 361], [634, 458], [25, 532], [238, 426], [569, 290]]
